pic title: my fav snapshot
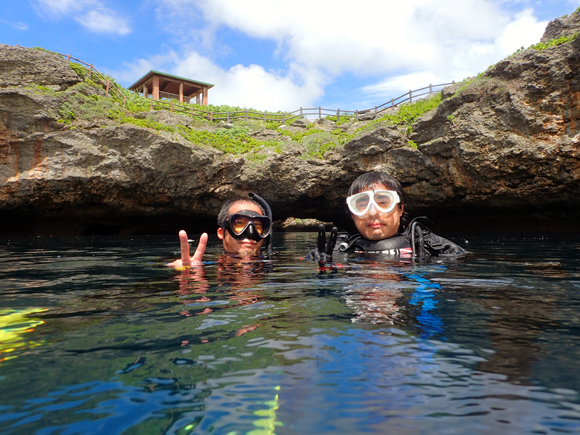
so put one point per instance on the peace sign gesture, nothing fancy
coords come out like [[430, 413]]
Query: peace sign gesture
[[186, 260]]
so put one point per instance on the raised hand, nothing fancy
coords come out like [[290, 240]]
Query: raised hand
[[186, 260], [323, 251]]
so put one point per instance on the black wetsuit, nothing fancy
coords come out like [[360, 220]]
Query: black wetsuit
[[417, 242]]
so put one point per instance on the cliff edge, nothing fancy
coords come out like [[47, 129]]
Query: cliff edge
[[501, 151]]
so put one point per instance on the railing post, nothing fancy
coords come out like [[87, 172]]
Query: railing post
[[211, 116], [430, 90], [301, 113], [246, 114], [108, 84], [356, 115], [375, 111], [319, 112], [283, 118], [68, 57], [338, 115], [191, 112], [392, 102], [91, 71], [171, 107], [410, 96], [264, 116], [228, 116], [151, 105]]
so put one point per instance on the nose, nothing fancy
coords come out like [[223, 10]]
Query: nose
[[372, 210]]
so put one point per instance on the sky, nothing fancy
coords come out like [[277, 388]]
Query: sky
[[283, 55]]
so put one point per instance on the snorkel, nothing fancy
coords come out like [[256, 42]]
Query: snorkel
[[266, 207]]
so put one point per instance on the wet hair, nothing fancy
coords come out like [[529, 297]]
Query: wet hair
[[224, 213], [369, 179]]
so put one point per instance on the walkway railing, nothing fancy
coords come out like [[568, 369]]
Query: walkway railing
[[317, 112]]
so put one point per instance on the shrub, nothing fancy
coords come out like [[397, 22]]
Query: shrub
[[554, 42], [407, 113]]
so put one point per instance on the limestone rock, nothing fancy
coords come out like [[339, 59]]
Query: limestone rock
[[21, 66], [501, 150], [301, 123], [565, 26]]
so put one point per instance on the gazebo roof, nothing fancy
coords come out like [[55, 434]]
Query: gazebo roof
[[149, 76]]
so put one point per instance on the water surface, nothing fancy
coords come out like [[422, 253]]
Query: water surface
[[98, 337]]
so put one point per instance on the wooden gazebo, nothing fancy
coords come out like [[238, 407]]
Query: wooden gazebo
[[161, 85]]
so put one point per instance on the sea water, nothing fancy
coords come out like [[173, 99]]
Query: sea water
[[97, 336]]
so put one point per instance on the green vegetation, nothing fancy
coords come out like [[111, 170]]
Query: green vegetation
[[86, 100], [543, 45], [554, 42], [343, 119], [79, 69], [147, 123], [407, 114], [80, 102]]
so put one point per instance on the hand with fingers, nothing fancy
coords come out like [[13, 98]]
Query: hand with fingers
[[323, 251], [186, 260]]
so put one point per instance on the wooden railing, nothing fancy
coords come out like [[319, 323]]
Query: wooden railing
[[317, 112], [96, 76]]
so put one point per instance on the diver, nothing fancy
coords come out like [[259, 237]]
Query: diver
[[245, 225], [376, 201]]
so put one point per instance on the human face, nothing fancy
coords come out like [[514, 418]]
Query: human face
[[376, 225], [244, 246]]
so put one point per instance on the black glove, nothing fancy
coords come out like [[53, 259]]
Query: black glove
[[323, 252]]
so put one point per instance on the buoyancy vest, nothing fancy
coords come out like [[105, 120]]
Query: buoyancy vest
[[417, 241]]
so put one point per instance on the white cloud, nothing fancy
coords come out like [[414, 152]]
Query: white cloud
[[249, 86], [58, 8], [91, 14], [524, 31], [382, 36], [104, 21], [131, 72], [395, 86], [16, 24], [410, 44]]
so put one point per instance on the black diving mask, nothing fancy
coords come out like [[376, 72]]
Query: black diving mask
[[247, 224]]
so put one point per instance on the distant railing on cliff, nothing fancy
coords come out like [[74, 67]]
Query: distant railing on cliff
[[318, 112]]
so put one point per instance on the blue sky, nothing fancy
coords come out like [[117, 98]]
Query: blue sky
[[280, 55]]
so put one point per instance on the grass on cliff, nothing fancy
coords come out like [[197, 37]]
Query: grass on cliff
[[407, 114], [543, 45], [87, 100], [81, 102]]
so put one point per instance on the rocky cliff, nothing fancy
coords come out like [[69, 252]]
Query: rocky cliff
[[501, 151]]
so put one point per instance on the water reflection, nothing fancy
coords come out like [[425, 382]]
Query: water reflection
[[477, 346]]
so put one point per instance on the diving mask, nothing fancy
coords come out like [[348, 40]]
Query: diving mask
[[383, 200], [247, 224]]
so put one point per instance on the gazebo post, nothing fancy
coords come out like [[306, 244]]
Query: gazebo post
[[205, 99], [156, 87], [181, 92]]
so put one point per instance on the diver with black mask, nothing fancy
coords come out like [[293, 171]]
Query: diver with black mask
[[376, 201], [244, 226]]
